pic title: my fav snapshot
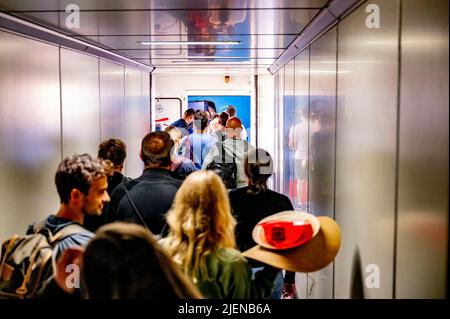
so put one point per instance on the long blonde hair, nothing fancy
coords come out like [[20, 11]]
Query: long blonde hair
[[200, 222]]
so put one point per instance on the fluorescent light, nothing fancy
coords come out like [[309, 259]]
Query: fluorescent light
[[190, 42], [36, 31], [323, 21]]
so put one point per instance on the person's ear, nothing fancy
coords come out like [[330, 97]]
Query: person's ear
[[67, 269], [76, 196], [140, 155]]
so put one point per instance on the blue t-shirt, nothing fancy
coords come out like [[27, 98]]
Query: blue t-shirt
[[185, 128], [199, 147]]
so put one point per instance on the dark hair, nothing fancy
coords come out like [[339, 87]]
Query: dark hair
[[223, 118], [189, 112], [211, 105], [156, 148], [78, 172], [201, 120], [124, 261], [114, 150], [231, 110], [258, 167]]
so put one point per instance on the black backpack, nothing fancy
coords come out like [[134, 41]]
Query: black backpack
[[225, 169], [26, 261]]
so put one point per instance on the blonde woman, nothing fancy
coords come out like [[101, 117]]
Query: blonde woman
[[201, 240]]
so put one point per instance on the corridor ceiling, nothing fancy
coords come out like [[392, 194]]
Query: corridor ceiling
[[263, 28]]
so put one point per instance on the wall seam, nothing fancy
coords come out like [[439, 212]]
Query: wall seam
[[397, 151], [308, 177], [60, 103], [256, 94], [335, 145], [99, 102], [124, 105], [150, 100]]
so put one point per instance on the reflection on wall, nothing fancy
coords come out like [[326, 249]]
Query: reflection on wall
[[30, 140], [214, 24], [32, 137], [322, 155], [356, 149], [79, 93]]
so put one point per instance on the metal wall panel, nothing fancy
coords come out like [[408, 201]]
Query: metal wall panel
[[297, 138], [422, 239], [29, 132], [366, 152], [322, 145], [145, 102], [137, 120], [80, 103], [288, 116], [278, 157], [298, 133], [112, 101]]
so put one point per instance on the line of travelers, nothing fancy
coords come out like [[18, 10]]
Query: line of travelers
[[163, 234]]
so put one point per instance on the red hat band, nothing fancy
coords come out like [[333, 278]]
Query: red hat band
[[287, 234]]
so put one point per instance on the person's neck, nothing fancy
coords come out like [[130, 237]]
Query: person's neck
[[66, 211], [117, 171], [167, 168]]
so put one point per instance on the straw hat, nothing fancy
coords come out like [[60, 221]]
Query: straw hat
[[310, 254]]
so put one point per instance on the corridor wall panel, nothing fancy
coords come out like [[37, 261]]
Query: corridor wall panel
[[322, 100], [112, 100], [29, 132], [288, 117], [137, 117], [296, 128], [422, 249], [80, 103], [366, 153], [52, 105], [278, 136]]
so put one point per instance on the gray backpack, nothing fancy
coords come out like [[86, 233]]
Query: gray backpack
[[26, 261]]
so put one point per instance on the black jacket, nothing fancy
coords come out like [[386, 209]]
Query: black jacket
[[249, 209], [152, 193]]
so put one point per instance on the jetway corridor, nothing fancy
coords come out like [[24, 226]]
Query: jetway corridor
[[349, 97]]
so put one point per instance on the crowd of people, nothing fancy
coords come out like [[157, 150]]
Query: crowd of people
[[174, 232]]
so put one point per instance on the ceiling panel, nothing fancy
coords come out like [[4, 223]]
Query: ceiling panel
[[159, 4], [264, 28]]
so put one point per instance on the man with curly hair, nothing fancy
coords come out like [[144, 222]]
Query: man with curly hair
[[81, 182]]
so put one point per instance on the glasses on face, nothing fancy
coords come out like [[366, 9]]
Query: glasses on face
[[287, 234]]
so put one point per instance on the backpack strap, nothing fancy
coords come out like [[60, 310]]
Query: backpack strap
[[222, 146], [136, 210], [67, 231], [38, 226], [176, 163]]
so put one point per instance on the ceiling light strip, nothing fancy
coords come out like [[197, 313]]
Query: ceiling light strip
[[189, 42], [27, 28], [326, 19]]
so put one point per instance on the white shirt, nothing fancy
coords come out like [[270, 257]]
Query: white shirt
[[298, 140]]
